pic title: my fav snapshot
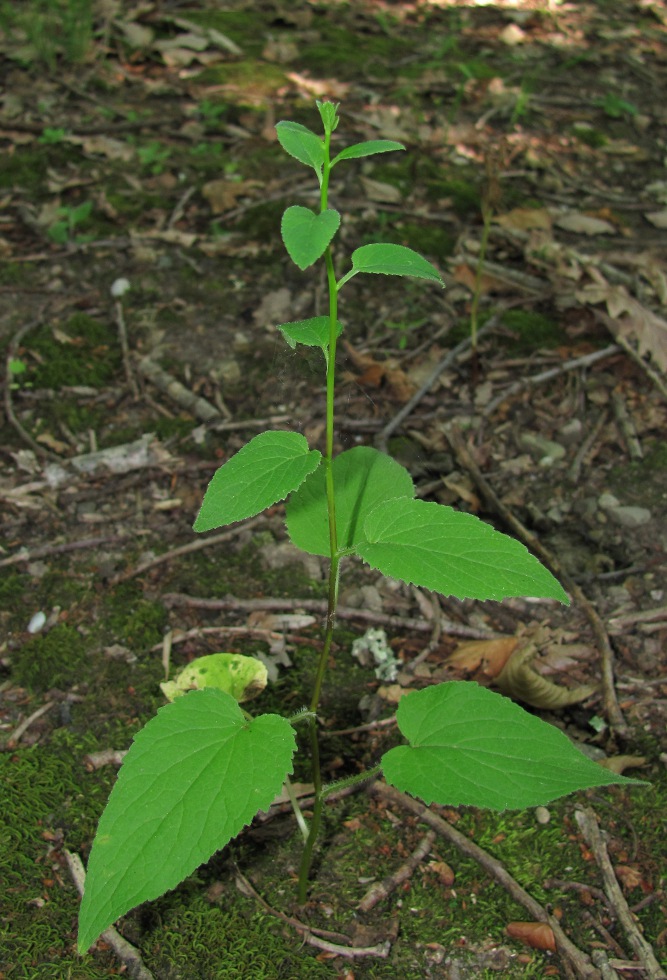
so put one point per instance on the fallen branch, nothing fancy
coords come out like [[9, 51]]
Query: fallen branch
[[319, 938], [643, 950], [59, 549], [574, 958], [126, 952], [611, 706], [319, 606], [186, 549], [178, 393], [382, 889]]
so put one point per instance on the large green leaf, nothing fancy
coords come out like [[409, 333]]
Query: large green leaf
[[452, 553], [363, 477], [367, 149], [194, 777], [268, 468], [471, 747], [391, 260], [302, 144], [307, 234]]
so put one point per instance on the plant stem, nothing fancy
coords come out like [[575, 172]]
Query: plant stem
[[334, 566]]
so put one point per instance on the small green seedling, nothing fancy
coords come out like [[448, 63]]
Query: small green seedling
[[199, 771], [64, 230], [153, 156], [616, 108]]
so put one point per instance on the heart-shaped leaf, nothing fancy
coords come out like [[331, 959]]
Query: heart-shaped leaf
[[307, 234], [267, 468], [439, 548], [363, 478], [194, 777], [471, 747]]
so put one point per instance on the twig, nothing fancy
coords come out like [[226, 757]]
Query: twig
[[618, 623], [122, 334], [575, 958], [21, 729], [626, 426], [590, 828], [538, 379], [126, 952], [9, 382], [173, 388], [171, 599], [319, 938], [450, 357], [585, 448], [611, 705], [382, 889], [186, 549], [59, 549]]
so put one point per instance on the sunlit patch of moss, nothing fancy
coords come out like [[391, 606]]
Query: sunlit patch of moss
[[89, 356], [533, 330], [55, 659]]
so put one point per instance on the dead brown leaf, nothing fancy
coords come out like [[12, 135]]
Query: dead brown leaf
[[487, 656], [537, 935]]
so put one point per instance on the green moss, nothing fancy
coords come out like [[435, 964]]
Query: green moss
[[532, 330], [90, 356], [430, 239], [346, 49], [53, 660]]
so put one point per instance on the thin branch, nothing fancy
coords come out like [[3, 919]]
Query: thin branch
[[575, 958], [21, 729], [382, 889], [465, 459], [126, 952], [643, 950], [60, 549]]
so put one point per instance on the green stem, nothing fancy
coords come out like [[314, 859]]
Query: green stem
[[334, 567]]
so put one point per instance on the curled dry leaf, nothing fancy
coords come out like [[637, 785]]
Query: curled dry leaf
[[487, 656], [619, 763], [519, 681], [537, 935], [444, 872]]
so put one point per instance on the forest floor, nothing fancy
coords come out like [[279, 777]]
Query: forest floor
[[138, 143]]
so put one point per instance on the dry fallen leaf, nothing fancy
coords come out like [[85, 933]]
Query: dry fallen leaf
[[537, 935], [619, 763], [518, 680], [583, 224], [525, 219], [632, 319], [489, 655]]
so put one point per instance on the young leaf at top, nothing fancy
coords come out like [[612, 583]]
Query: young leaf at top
[[363, 477], [367, 149], [306, 234], [391, 260], [328, 114], [194, 777], [312, 333], [471, 747], [452, 553], [302, 144], [268, 468], [242, 677]]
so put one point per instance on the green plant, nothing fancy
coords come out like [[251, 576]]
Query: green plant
[[616, 107], [153, 156], [200, 770], [69, 218], [47, 29]]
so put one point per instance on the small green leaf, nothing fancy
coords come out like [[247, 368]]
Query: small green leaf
[[471, 747], [302, 144], [452, 553], [195, 775], [363, 477], [242, 677], [312, 333], [367, 149], [391, 260], [329, 114], [268, 468], [306, 234]]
